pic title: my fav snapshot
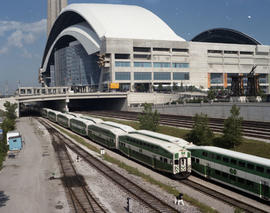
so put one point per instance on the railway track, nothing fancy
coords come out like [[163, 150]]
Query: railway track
[[153, 203], [227, 199], [80, 197], [253, 129]]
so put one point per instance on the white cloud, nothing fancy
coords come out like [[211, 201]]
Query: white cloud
[[18, 33], [26, 54], [3, 50]]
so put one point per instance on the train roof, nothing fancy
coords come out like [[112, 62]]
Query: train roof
[[167, 138], [66, 115], [114, 130], [54, 111], [87, 122], [164, 144], [125, 128], [234, 154], [96, 120]]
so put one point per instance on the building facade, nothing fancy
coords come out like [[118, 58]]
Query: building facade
[[114, 49]]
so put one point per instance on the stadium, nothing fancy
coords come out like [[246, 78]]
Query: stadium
[[128, 48]]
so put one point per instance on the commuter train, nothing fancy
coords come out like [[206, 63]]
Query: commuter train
[[248, 173], [162, 152]]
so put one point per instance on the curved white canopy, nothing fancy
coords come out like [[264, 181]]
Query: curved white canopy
[[123, 21], [83, 34]]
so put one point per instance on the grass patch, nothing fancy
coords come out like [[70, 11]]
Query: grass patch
[[78, 139], [169, 189], [254, 147]]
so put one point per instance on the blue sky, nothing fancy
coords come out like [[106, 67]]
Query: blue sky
[[23, 28]]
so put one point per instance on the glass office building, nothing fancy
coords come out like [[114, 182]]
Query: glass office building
[[73, 66]]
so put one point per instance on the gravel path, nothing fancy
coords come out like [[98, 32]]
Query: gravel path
[[24, 180]]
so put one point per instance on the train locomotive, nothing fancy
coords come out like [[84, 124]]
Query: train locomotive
[[247, 173], [161, 152]]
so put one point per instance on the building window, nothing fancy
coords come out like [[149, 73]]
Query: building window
[[162, 64], [181, 76], [246, 53], [142, 76], [141, 49], [122, 76], [180, 65], [161, 49], [162, 76], [215, 51], [180, 50], [122, 64], [122, 56], [216, 78], [230, 52], [142, 64]]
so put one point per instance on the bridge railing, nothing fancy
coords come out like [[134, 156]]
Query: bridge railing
[[36, 91], [39, 91]]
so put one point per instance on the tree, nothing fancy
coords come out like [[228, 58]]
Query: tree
[[211, 94], [7, 125], [10, 111], [232, 132], [9, 117], [200, 134], [149, 120]]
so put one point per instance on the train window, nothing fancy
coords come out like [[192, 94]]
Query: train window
[[242, 164], [232, 177], [193, 160], [217, 172], [233, 161], [250, 166], [204, 154], [161, 158], [240, 180], [259, 169], [197, 161], [249, 183], [225, 175], [225, 159], [218, 157], [176, 162], [268, 171], [165, 160]]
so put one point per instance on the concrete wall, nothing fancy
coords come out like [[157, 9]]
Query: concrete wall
[[249, 111], [154, 98]]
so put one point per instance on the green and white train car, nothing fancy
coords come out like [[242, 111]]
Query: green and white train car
[[64, 119], [244, 172], [107, 133], [44, 112], [52, 115], [157, 152], [80, 125]]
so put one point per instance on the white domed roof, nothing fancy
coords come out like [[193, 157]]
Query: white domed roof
[[123, 21]]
